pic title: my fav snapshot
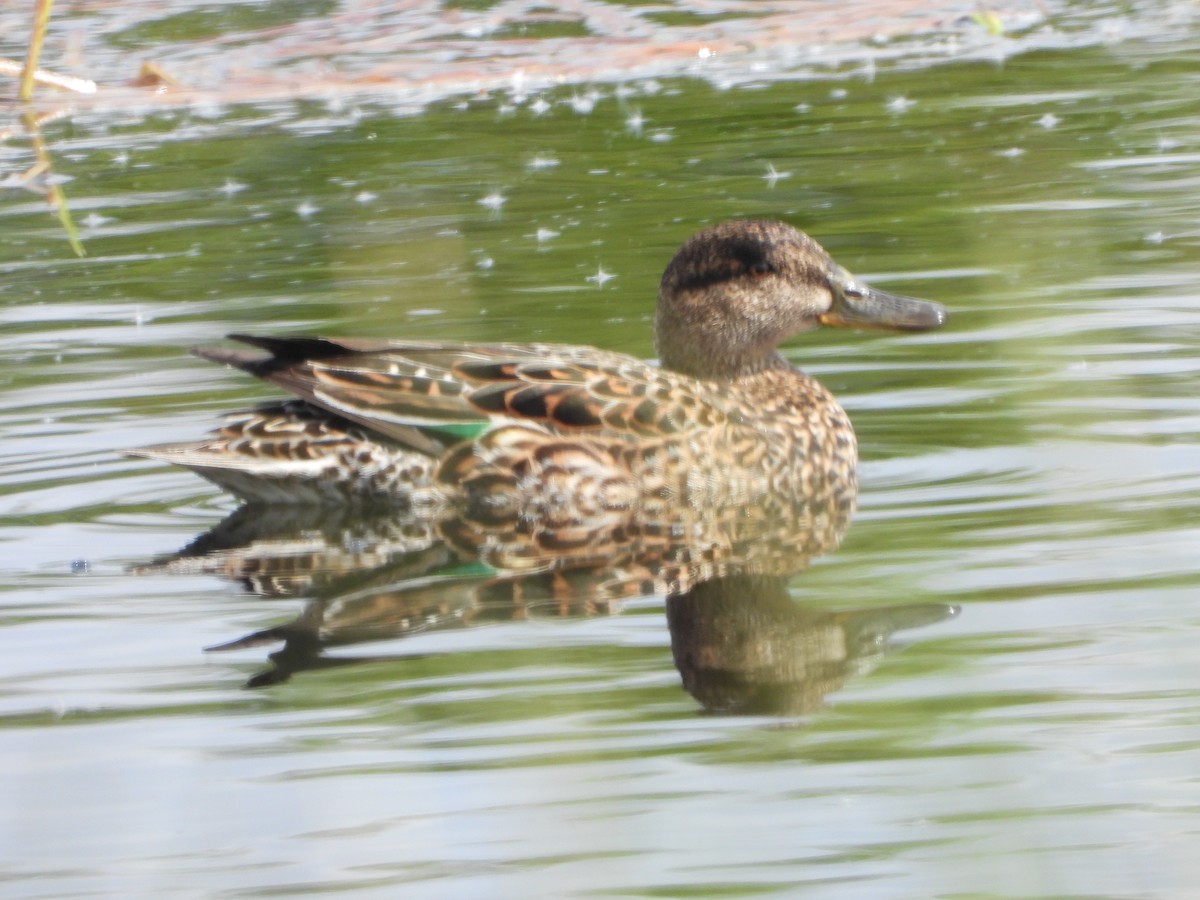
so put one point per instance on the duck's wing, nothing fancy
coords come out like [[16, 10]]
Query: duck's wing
[[428, 395]]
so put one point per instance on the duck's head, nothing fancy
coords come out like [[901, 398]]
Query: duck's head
[[735, 290]]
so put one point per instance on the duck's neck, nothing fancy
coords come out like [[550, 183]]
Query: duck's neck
[[709, 335]]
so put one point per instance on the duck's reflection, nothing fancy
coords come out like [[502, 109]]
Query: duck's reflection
[[741, 641]]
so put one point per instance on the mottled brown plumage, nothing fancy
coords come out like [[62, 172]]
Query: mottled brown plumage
[[524, 453]]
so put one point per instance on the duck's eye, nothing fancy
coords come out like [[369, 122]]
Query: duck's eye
[[760, 268]]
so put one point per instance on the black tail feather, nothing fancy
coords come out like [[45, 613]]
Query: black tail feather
[[284, 352]]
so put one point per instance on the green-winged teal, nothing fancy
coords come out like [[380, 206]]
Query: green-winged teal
[[578, 445]]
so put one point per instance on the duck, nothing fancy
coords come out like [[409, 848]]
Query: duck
[[576, 446]]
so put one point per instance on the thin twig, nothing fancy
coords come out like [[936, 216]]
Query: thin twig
[[41, 21], [16, 69]]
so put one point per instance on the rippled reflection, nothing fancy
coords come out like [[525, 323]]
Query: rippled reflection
[[741, 641]]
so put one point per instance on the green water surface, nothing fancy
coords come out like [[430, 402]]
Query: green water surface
[[1037, 462]]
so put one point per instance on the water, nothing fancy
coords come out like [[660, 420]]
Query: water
[[1035, 463]]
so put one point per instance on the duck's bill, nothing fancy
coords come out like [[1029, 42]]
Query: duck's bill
[[857, 306]]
